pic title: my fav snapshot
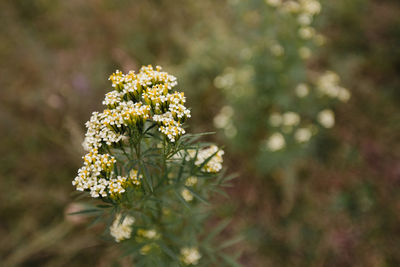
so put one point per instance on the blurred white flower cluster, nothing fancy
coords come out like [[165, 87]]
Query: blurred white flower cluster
[[287, 124], [304, 12], [185, 193], [328, 85], [122, 230], [326, 118], [190, 255], [209, 159]]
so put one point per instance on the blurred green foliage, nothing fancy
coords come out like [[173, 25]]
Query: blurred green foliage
[[336, 204]]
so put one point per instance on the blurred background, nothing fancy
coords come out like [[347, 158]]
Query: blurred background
[[305, 97]]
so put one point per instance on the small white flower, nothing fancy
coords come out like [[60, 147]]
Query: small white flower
[[302, 90], [190, 255], [276, 142], [191, 181], [150, 234], [187, 195], [305, 19], [302, 135], [311, 7], [306, 33], [291, 118], [326, 118]]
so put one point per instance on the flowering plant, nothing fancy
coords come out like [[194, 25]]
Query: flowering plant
[[153, 179], [292, 102]]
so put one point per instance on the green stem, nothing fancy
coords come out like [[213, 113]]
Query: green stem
[[126, 154], [164, 166]]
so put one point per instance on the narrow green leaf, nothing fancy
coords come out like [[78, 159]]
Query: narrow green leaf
[[196, 195], [219, 191], [229, 260], [231, 242], [93, 223], [167, 251], [182, 167], [147, 178], [218, 229], [207, 159], [85, 211], [230, 177], [181, 199], [104, 206]]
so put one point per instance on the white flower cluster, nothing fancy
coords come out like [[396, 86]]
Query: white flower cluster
[[302, 90], [122, 230], [303, 135], [190, 255], [90, 175], [276, 142], [97, 176], [186, 195], [214, 163], [135, 99], [328, 84], [191, 181], [98, 133], [326, 118], [168, 126]]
